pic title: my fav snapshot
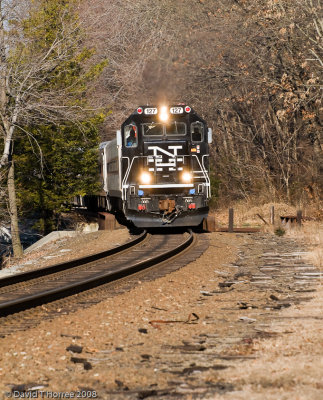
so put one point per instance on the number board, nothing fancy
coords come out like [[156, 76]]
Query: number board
[[176, 110], [150, 111]]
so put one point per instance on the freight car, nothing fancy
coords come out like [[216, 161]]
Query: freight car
[[156, 171]]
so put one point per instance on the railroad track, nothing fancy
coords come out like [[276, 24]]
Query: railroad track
[[24, 291]]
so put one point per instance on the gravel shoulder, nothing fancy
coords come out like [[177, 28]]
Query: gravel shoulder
[[182, 332], [290, 365], [66, 249]]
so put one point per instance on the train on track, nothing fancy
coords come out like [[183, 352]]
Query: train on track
[[156, 171]]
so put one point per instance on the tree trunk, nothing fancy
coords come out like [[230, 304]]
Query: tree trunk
[[16, 244]]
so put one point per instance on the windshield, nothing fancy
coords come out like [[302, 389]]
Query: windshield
[[152, 129], [176, 128], [157, 129]]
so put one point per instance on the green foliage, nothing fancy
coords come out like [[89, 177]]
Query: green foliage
[[47, 19], [67, 167], [280, 232], [51, 43], [56, 144]]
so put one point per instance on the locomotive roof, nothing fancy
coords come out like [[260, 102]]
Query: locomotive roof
[[158, 107], [148, 112]]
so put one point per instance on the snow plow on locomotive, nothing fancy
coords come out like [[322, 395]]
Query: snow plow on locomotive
[[156, 170]]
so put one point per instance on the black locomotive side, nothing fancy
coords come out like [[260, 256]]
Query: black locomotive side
[[156, 171]]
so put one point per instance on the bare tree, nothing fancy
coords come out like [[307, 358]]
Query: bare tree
[[37, 53], [248, 67], [131, 35]]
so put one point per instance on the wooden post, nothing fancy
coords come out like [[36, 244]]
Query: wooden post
[[299, 218], [230, 229], [209, 223], [107, 222], [272, 215]]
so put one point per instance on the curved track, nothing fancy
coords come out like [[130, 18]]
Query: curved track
[[26, 276], [49, 284]]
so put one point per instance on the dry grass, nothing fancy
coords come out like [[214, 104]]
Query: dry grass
[[245, 214], [311, 234], [289, 365]]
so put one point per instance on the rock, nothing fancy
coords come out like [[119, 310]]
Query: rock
[[74, 348], [205, 293], [142, 330], [27, 387], [87, 228], [242, 305], [147, 393], [197, 368], [71, 336], [247, 319], [87, 365], [225, 284]]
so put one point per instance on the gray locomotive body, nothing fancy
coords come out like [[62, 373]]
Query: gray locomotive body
[[156, 171]]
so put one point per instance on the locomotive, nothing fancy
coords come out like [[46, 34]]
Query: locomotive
[[156, 171]]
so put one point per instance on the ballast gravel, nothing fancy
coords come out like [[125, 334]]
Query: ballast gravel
[[200, 332]]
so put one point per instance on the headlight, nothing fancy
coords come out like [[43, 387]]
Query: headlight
[[145, 178], [163, 114], [187, 177]]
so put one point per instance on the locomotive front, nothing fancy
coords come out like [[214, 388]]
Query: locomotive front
[[164, 167]]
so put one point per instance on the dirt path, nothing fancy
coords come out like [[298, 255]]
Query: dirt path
[[240, 322]]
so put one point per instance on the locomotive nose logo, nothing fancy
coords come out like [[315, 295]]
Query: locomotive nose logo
[[159, 154]]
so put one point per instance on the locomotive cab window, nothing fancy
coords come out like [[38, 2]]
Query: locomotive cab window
[[152, 129], [131, 135], [176, 129], [197, 131]]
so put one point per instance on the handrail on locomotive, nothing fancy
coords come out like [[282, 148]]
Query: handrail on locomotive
[[156, 170]]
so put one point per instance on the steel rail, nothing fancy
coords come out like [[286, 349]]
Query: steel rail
[[29, 301], [26, 276]]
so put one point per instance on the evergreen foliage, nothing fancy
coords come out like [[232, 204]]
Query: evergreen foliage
[[66, 167], [56, 131]]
